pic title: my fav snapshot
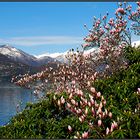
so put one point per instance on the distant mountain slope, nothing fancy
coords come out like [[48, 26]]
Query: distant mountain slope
[[18, 55], [10, 68], [22, 57]]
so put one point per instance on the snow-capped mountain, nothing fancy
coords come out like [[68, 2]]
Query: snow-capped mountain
[[61, 57], [56, 56], [18, 55]]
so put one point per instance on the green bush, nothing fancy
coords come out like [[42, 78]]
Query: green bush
[[46, 120], [120, 91]]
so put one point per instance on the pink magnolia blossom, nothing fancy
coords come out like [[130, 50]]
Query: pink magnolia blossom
[[85, 135], [92, 89], [107, 131], [69, 128], [110, 114], [120, 10], [99, 123], [68, 105], [138, 3], [98, 94]]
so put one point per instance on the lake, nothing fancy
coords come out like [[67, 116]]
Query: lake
[[10, 97]]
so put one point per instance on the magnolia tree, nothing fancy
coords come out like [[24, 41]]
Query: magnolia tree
[[75, 78], [135, 17]]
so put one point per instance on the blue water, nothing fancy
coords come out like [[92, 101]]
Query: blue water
[[12, 96]]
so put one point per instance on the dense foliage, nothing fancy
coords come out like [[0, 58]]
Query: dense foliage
[[48, 120]]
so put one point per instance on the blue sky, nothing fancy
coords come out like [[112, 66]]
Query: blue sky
[[49, 27]]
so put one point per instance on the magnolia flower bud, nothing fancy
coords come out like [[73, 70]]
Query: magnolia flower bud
[[99, 122], [110, 114], [104, 102], [106, 112], [85, 76], [89, 104], [95, 74], [77, 133], [107, 131], [85, 135], [75, 137], [81, 119], [58, 102], [115, 124], [102, 98], [73, 101], [101, 105], [88, 83], [62, 100], [92, 110], [69, 128], [86, 111], [54, 97], [92, 89], [99, 110], [100, 116], [98, 94], [92, 101], [73, 82], [70, 96], [68, 105], [112, 126]]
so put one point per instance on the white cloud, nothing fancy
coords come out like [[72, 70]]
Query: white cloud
[[42, 40], [136, 43]]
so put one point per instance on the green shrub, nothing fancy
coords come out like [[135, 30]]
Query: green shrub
[[120, 91]]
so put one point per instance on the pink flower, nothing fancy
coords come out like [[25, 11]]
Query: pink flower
[[98, 94], [92, 109], [68, 105], [112, 126], [92, 101], [80, 119], [85, 45], [120, 10], [110, 114], [73, 82], [104, 102], [99, 110], [89, 104], [95, 74], [138, 3], [92, 89], [115, 124], [69, 128], [70, 96], [88, 39], [106, 27], [58, 102], [62, 100], [99, 123], [79, 92], [73, 101], [107, 131], [86, 111], [85, 135]]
